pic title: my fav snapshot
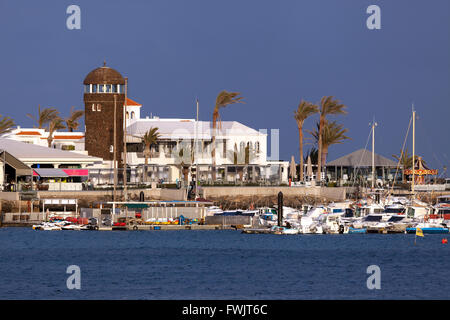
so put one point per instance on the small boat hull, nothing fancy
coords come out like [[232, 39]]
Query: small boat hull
[[357, 230], [428, 230]]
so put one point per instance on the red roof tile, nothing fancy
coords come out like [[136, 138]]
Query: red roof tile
[[133, 103], [28, 133]]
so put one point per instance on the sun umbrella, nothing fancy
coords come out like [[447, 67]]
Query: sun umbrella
[[309, 170], [293, 168]]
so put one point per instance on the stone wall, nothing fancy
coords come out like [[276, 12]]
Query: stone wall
[[335, 194]]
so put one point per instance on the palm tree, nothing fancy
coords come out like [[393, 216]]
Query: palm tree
[[223, 99], [332, 133], [304, 110], [328, 106], [55, 124], [45, 116], [148, 139], [314, 154], [6, 124], [184, 157], [72, 121]]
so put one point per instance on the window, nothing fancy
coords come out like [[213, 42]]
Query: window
[[93, 107], [114, 88], [87, 88], [94, 88], [128, 115], [108, 88], [257, 146], [132, 114], [99, 107]]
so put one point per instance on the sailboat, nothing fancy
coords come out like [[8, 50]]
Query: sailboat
[[426, 226]]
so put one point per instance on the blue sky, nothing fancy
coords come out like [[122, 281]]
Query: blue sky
[[273, 52]]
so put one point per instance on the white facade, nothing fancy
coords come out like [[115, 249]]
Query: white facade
[[69, 141], [232, 139]]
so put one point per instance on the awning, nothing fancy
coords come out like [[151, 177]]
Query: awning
[[50, 173], [76, 172], [136, 205], [21, 168]]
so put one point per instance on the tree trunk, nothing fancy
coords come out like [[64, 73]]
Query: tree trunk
[[319, 157], [213, 148], [324, 156], [300, 138]]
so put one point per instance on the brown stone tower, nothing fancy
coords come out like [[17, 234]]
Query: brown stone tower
[[101, 85]]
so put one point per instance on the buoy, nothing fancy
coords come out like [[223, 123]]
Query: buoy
[[444, 241]]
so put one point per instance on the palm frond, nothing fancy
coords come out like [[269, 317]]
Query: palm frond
[[6, 124]]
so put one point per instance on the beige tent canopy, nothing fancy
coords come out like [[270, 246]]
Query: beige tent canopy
[[21, 168]]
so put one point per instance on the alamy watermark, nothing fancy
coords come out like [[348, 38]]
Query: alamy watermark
[[374, 280], [373, 22], [74, 20], [74, 280]]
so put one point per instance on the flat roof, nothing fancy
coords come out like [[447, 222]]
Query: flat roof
[[32, 152], [182, 128]]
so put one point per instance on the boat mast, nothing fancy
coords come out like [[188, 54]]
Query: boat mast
[[374, 124], [195, 155], [125, 191], [115, 148], [413, 150]]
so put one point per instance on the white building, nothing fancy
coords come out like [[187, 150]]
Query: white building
[[241, 151], [69, 141]]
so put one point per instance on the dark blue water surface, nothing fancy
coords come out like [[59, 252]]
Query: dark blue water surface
[[220, 264]]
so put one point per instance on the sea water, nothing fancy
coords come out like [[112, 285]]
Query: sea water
[[220, 264]]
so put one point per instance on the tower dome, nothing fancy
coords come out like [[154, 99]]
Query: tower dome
[[104, 75]]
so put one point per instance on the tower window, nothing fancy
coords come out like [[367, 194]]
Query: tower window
[[108, 88], [114, 88], [99, 107], [94, 88], [93, 107]]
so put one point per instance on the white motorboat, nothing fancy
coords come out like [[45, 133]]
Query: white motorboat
[[70, 226], [212, 210], [283, 230], [47, 226]]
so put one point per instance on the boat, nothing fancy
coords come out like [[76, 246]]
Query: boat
[[70, 226], [352, 230], [46, 226], [212, 210], [283, 230], [431, 228], [397, 223], [331, 223], [272, 230]]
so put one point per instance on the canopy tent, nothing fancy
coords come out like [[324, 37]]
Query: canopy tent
[[362, 158], [21, 168]]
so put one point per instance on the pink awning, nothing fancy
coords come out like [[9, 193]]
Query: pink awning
[[77, 172]]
